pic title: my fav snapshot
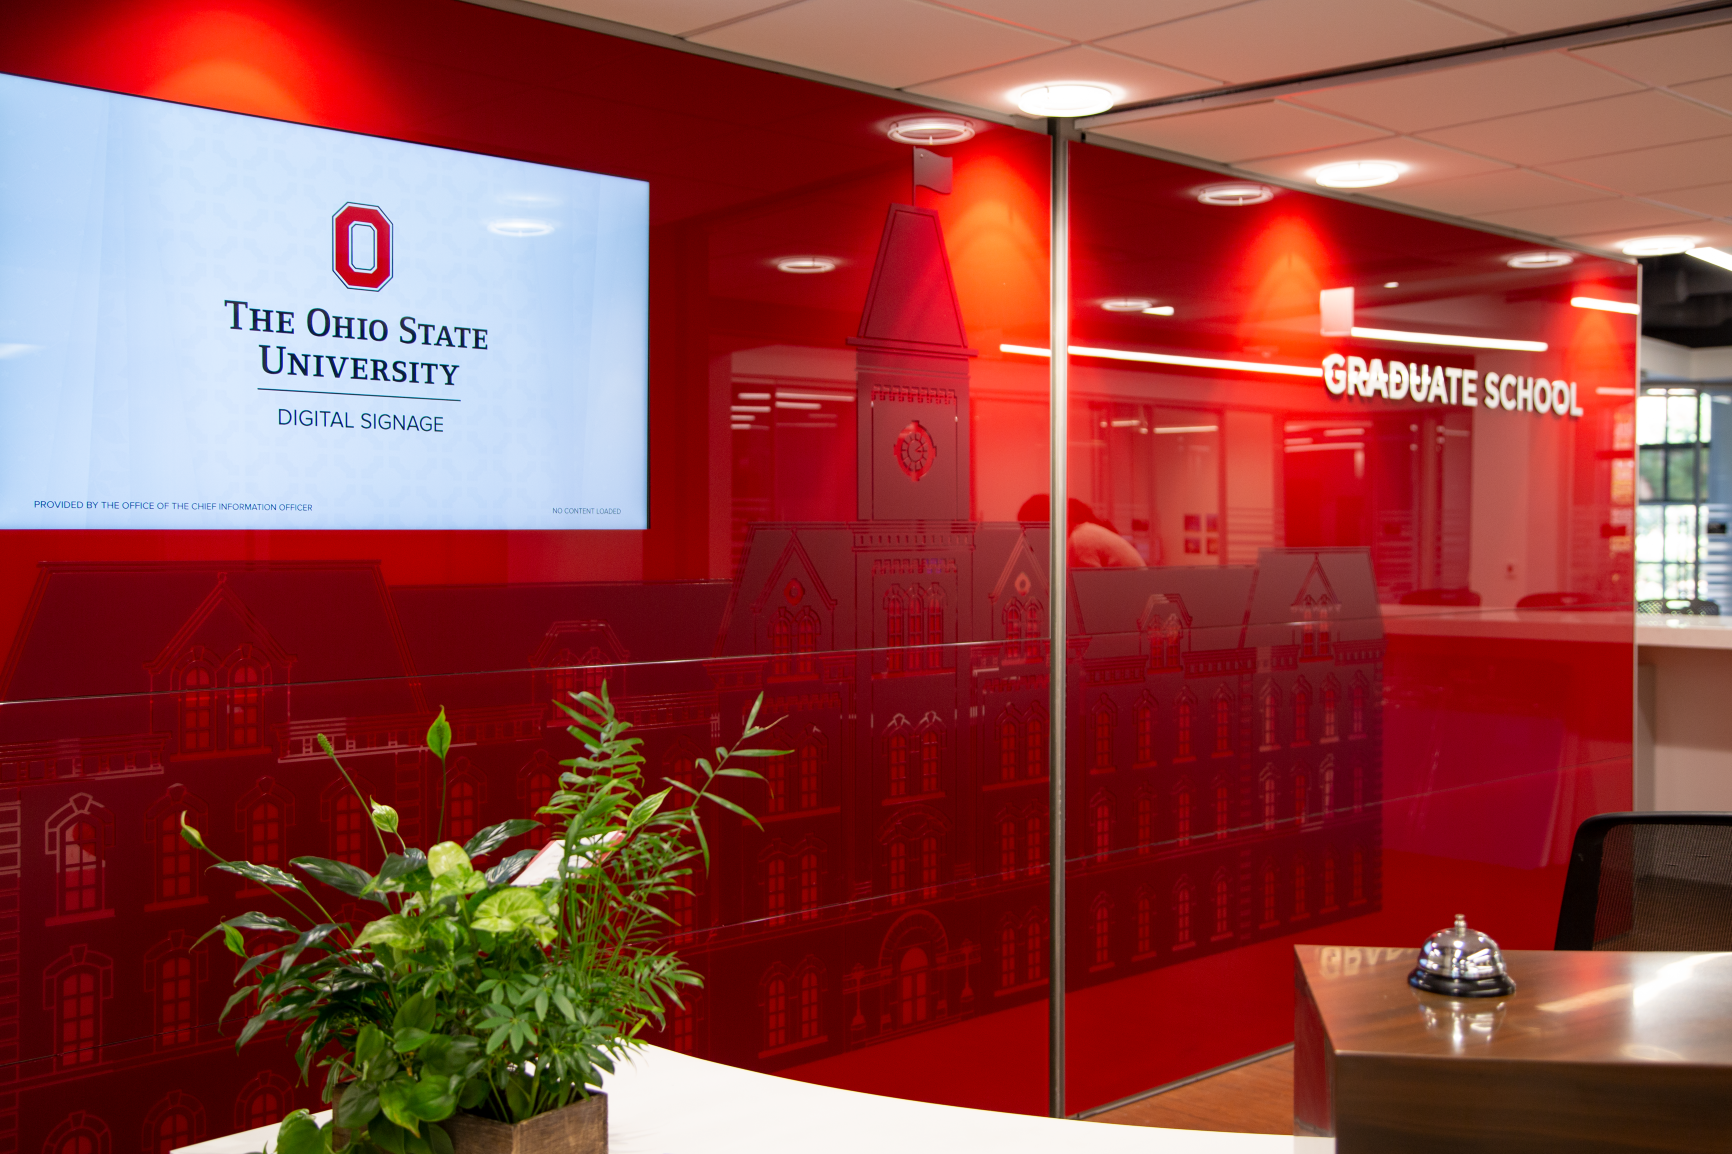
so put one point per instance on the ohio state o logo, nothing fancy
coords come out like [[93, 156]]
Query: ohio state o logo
[[915, 450], [361, 246]]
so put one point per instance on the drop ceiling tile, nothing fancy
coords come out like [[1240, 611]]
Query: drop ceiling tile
[[1476, 92], [1593, 128], [1717, 92], [888, 42], [1134, 79], [1713, 199], [1423, 162], [1544, 15], [1503, 191], [1644, 170], [1270, 38], [1232, 134], [672, 16], [1673, 59], [1091, 19], [1594, 216]]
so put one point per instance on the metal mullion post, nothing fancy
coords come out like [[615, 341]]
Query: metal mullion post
[[1058, 570]]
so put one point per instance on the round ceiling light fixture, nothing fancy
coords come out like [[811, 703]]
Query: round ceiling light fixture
[[1064, 99], [1358, 173], [1127, 304], [1550, 259], [806, 264], [1660, 245], [1235, 194], [520, 228], [932, 130]]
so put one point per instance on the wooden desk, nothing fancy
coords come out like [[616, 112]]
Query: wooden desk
[[1595, 1051]]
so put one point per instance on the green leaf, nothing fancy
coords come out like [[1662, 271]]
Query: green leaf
[[517, 1100], [384, 817], [447, 857], [495, 836], [190, 834], [369, 1043], [357, 1106], [439, 735], [432, 1098], [417, 1012], [253, 920], [509, 867], [474, 1093], [408, 1039], [263, 875], [394, 930], [438, 1140], [512, 910], [401, 871], [299, 1134], [339, 875], [397, 1101], [387, 1135], [232, 939]]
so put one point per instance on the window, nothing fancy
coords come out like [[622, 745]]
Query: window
[[934, 628], [776, 1013], [929, 745], [1007, 743], [929, 866], [463, 813], [1302, 715], [1034, 950], [349, 828], [246, 693], [197, 709], [1182, 736], [80, 868], [265, 832], [1007, 847], [1103, 736], [681, 907], [809, 1007], [1145, 925], [808, 885], [78, 1020], [80, 1133], [1271, 717], [806, 643], [174, 998], [1267, 783], [781, 643], [1299, 797], [894, 611], [176, 871], [1145, 823], [685, 1027], [1006, 956], [1035, 828], [1031, 631], [811, 766], [897, 747], [911, 1002], [1329, 718], [898, 872], [263, 1101], [776, 784], [1182, 914], [1358, 787], [1358, 719], [1101, 822], [170, 1130], [1103, 931], [1358, 890], [1035, 742], [1145, 723], [1013, 631], [1329, 881], [1223, 809], [1673, 434], [775, 888], [540, 782], [1300, 908], [1328, 799], [1223, 723], [1223, 914], [1182, 814], [1268, 898]]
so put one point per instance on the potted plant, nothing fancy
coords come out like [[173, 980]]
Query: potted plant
[[480, 1008]]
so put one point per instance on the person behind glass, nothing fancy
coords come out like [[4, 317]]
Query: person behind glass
[[1094, 543]]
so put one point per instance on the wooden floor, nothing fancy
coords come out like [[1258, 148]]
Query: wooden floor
[[1254, 1099]]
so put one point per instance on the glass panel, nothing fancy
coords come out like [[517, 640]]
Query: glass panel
[[1681, 418], [1681, 470], [1651, 481], [1651, 419]]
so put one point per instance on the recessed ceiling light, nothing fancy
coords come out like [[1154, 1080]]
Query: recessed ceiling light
[[1659, 245], [932, 130], [1159, 311], [520, 227], [806, 264], [1391, 284], [1126, 304], [1358, 173], [1236, 193], [1541, 259], [1064, 100]]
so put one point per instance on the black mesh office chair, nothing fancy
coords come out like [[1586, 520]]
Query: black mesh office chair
[[1649, 881], [1685, 606]]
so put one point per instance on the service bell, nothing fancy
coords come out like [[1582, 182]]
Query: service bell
[[1461, 963]]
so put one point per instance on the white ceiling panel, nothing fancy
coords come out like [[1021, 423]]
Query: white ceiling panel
[[1476, 92], [1270, 38], [1713, 199], [1717, 92], [1646, 170], [1543, 15], [672, 16], [1593, 128], [1501, 191], [1708, 232], [1232, 134], [1135, 79], [1090, 19], [1594, 216], [1672, 59], [889, 42], [1424, 162]]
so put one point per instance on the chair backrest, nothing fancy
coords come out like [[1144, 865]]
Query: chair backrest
[[1685, 606], [1589, 601], [1649, 881]]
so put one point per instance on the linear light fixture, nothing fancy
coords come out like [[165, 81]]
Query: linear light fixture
[[1606, 306], [1448, 339], [1169, 359], [1713, 256]]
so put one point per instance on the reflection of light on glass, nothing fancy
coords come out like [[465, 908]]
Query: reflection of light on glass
[[1606, 306], [806, 264], [1128, 423], [748, 408], [1126, 304], [1669, 975], [1541, 259], [520, 227], [931, 130], [1342, 432], [1236, 194], [14, 350], [794, 395], [1185, 428], [1169, 359], [1403, 337], [1643, 1052], [781, 404], [1158, 311], [754, 396], [1336, 447]]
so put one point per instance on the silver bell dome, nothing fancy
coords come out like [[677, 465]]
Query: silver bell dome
[[1461, 963]]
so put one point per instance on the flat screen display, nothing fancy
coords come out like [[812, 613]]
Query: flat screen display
[[210, 320]]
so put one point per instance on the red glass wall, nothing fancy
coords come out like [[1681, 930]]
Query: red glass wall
[[847, 479]]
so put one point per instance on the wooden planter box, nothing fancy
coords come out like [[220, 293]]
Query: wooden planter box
[[580, 1128]]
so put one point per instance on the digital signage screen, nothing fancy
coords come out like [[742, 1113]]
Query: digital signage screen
[[216, 321]]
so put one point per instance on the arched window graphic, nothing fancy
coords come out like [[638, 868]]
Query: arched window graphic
[[1266, 783], [1145, 924], [1101, 827], [1300, 797], [1358, 787], [1184, 715], [781, 643], [930, 746], [1034, 741], [1104, 721], [1164, 642], [929, 866], [913, 999], [898, 872], [1302, 714], [1144, 718], [1271, 717], [1223, 723], [1269, 916], [895, 624], [177, 873], [1301, 908], [1329, 880], [1330, 720], [776, 888], [1145, 823], [263, 1101], [811, 1007], [934, 628], [1182, 812], [1007, 846], [775, 1012], [562, 674], [1357, 720], [1031, 631], [1034, 949], [1013, 631], [1007, 746], [809, 885], [683, 1024], [806, 643], [1006, 956], [538, 780], [1358, 890], [74, 987], [896, 755], [1328, 782], [1223, 809], [1182, 901], [681, 907], [347, 824], [1223, 910], [1035, 828], [171, 975], [570, 674], [1101, 915], [262, 818], [811, 769], [80, 1132], [78, 837], [776, 784], [463, 808], [246, 705], [176, 1120], [197, 708]]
